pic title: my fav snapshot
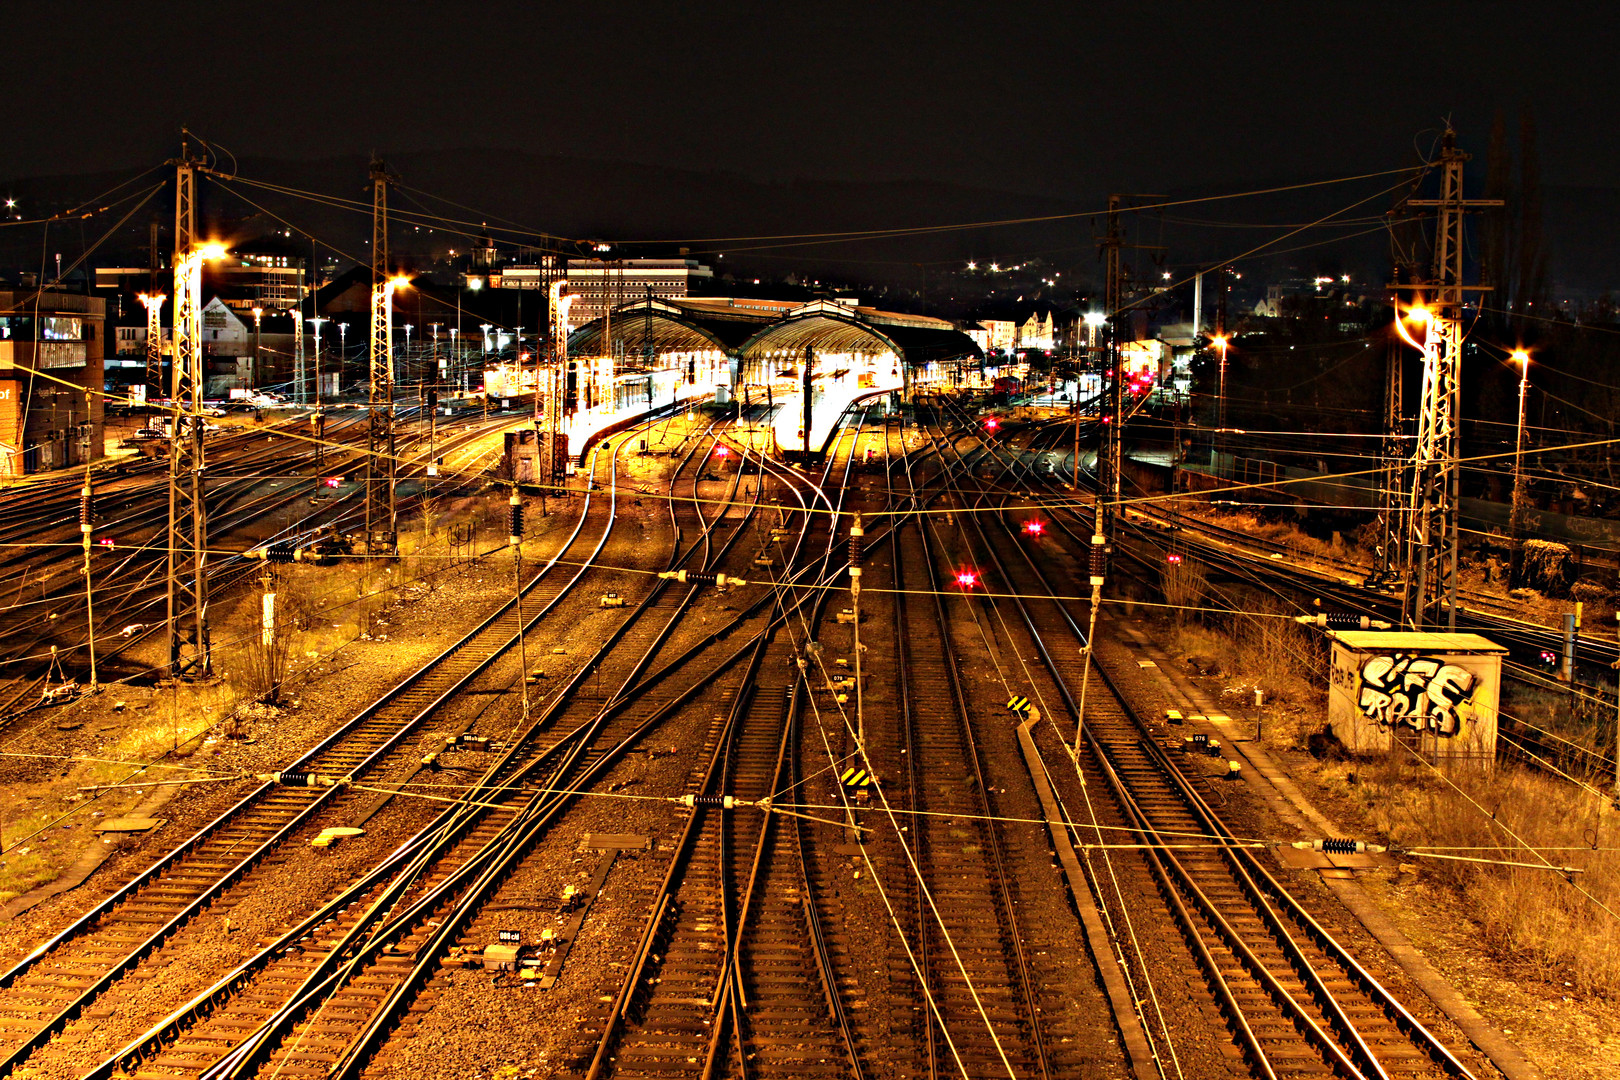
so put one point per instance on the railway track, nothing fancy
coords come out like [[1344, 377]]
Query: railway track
[[294, 1034], [129, 582], [1295, 999], [54, 983], [350, 1023]]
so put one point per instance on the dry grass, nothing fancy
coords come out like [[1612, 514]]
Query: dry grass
[[1537, 917], [25, 865]]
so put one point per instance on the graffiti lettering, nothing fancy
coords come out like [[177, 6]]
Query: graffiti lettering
[[1418, 691]]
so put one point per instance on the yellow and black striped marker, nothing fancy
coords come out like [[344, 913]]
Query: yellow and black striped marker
[[1018, 704], [855, 778]]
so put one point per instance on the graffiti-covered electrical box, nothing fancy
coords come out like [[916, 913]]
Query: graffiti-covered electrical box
[[1432, 694]]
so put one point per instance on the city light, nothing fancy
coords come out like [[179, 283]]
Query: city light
[[212, 251], [1095, 318], [399, 281], [1520, 357]]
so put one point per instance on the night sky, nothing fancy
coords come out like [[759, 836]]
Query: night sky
[[1064, 101]]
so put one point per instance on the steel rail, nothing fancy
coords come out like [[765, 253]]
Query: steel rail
[[1245, 866], [235, 872]]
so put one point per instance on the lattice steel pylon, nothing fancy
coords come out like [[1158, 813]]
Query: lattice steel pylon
[[187, 601], [381, 511], [154, 343], [1430, 546]]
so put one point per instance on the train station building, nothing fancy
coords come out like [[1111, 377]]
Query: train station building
[[51, 370], [733, 344]]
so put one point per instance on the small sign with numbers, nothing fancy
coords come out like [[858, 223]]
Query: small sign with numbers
[[511, 937]]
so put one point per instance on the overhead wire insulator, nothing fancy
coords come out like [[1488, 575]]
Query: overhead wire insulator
[[857, 549], [301, 779], [725, 802], [515, 504], [1099, 558], [700, 577], [1343, 620], [87, 507], [1339, 846]]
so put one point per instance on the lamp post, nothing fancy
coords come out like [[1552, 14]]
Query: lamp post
[[486, 328], [475, 285], [316, 323], [455, 363], [404, 369], [1517, 514], [1220, 341], [253, 368], [343, 349]]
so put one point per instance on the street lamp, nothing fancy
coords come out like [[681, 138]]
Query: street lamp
[[1220, 341], [253, 368], [1519, 508], [343, 348], [316, 323], [475, 284]]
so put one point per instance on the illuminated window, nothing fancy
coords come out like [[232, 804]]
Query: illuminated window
[[61, 328]]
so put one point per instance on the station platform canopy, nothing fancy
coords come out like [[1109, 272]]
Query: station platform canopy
[[752, 330]]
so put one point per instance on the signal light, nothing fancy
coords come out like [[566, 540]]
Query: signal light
[[106, 542], [991, 424], [1034, 528], [967, 578], [1173, 558], [721, 451], [332, 481]]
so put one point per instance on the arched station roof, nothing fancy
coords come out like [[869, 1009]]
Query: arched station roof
[[752, 329]]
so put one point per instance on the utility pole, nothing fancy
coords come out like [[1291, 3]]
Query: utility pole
[[254, 381], [87, 511], [1109, 460], [857, 545], [381, 511], [297, 314], [550, 390], [809, 386], [187, 600], [1431, 528]]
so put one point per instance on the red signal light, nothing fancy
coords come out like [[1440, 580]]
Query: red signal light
[[1174, 558], [107, 543], [721, 451], [991, 424], [967, 578], [333, 481], [1034, 528]]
